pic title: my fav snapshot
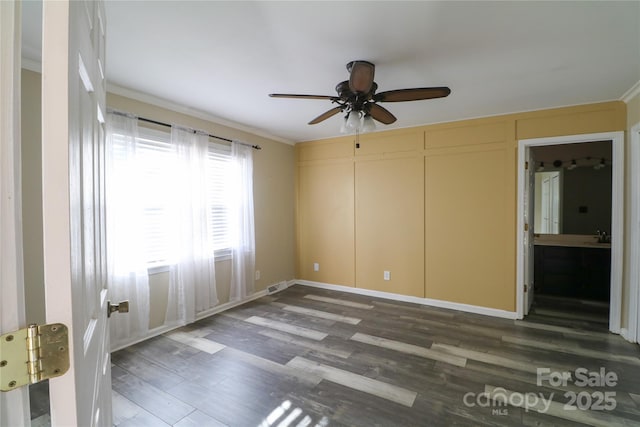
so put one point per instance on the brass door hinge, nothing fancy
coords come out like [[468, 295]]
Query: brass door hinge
[[526, 289], [526, 227], [526, 165], [33, 354]]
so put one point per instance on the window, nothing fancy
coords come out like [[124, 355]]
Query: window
[[154, 159], [155, 166], [219, 196]]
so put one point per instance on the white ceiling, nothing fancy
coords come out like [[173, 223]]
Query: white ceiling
[[224, 58]]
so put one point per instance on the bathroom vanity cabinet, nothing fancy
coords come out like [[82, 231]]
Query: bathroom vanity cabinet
[[572, 267]]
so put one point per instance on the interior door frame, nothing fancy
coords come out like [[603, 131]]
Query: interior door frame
[[617, 216], [12, 301], [633, 323], [529, 185]]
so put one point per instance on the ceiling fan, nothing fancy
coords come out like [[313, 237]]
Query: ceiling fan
[[357, 96]]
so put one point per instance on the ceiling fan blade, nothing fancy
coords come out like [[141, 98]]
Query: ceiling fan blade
[[291, 95], [414, 94], [326, 115], [381, 114]]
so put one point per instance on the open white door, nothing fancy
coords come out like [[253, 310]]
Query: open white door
[[73, 106], [555, 203], [14, 405], [529, 213], [545, 205]]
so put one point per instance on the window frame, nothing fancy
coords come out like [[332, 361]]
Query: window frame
[[152, 137]]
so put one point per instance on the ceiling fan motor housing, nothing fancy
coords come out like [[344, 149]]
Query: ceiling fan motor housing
[[361, 75]]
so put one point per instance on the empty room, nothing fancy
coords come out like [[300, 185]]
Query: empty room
[[319, 213]]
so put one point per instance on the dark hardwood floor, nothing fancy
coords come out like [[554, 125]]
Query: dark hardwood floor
[[313, 357], [566, 311]]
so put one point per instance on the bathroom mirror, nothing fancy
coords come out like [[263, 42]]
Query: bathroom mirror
[[573, 188]]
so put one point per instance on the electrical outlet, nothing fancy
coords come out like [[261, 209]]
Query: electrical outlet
[[257, 274], [387, 275], [316, 266]]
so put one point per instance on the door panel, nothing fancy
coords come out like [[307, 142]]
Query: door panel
[[73, 206]]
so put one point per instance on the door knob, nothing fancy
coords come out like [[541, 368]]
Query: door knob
[[121, 307]]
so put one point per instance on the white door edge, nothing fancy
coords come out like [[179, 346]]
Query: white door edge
[[617, 216], [633, 319], [523, 155], [12, 314]]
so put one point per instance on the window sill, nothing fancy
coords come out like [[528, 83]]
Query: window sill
[[223, 255], [157, 269]]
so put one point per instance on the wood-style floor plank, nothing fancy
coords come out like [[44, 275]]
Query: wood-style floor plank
[[355, 381], [127, 413], [199, 419], [337, 301], [285, 327], [427, 353], [155, 401], [316, 357], [321, 314]]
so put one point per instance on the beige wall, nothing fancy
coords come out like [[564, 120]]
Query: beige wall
[[273, 202], [435, 205]]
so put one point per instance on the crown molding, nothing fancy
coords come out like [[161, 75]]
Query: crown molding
[[631, 93], [199, 114], [31, 65], [36, 66]]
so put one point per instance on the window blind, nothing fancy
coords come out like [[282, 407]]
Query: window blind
[[219, 194], [155, 167]]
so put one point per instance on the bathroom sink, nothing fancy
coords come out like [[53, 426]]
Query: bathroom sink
[[570, 240]]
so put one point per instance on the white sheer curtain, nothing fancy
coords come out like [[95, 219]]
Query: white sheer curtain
[[243, 246], [192, 283], [126, 266]]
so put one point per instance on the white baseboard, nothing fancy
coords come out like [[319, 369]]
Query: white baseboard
[[278, 287], [152, 333], [386, 295], [624, 333], [227, 305], [217, 309], [486, 311]]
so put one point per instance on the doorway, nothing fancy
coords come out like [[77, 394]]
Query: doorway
[[526, 247]]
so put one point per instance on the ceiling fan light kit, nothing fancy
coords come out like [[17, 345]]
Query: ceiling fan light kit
[[357, 96], [368, 124], [356, 121]]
